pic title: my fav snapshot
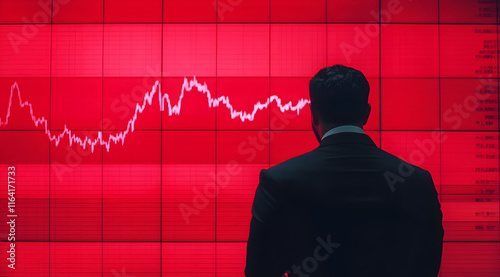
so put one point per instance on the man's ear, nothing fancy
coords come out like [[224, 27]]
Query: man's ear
[[367, 113], [314, 115]]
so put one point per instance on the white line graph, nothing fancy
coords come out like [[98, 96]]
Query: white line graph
[[163, 101]]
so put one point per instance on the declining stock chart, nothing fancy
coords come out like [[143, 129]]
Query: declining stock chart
[[134, 131]]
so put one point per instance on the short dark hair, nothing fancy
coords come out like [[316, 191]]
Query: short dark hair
[[339, 94]]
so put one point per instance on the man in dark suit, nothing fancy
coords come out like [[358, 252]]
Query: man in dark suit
[[346, 208]]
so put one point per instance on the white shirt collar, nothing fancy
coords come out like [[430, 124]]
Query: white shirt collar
[[342, 129]]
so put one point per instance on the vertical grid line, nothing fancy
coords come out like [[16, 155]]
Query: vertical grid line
[[498, 108], [50, 114], [102, 152], [380, 73], [326, 34], [439, 104], [216, 141], [161, 144], [326, 12], [269, 92]]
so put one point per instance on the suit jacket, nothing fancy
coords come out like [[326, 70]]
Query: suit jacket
[[346, 208]]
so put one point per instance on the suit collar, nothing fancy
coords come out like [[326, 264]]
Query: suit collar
[[343, 128], [347, 138]]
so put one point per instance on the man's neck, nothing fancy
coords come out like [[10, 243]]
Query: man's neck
[[342, 129], [331, 126]]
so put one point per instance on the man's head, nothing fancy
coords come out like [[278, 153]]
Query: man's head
[[339, 96]]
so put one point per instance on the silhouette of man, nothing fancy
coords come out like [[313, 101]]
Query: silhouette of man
[[346, 208]]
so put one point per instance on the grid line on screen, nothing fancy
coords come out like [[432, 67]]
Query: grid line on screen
[[102, 153], [380, 70], [439, 76], [161, 156], [216, 139], [50, 144]]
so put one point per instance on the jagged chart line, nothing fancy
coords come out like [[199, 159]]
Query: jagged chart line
[[163, 99]]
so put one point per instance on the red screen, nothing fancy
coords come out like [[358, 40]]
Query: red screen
[[132, 132]]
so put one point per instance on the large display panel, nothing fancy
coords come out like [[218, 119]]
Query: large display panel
[[134, 131]]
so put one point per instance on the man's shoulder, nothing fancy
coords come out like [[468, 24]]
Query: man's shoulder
[[314, 160], [401, 166], [294, 165], [400, 162]]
